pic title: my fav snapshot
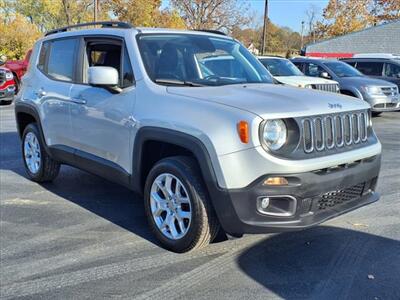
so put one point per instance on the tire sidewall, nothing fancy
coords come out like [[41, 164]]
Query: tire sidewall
[[178, 170], [33, 128]]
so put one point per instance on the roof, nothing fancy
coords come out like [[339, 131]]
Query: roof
[[270, 57], [384, 38], [110, 27]]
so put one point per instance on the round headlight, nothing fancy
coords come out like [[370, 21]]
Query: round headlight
[[275, 134]]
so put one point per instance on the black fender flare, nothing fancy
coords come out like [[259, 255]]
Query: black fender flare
[[219, 197]]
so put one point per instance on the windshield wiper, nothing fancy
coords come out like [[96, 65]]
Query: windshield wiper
[[178, 82]]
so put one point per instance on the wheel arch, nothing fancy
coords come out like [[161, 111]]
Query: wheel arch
[[154, 143]]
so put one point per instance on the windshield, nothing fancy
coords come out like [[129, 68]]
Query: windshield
[[281, 67], [199, 60], [342, 69]]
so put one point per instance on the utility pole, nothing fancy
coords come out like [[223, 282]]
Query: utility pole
[[264, 36], [302, 34], [95, 4]]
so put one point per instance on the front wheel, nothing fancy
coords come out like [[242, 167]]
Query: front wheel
[[177, 206], [38, 164]]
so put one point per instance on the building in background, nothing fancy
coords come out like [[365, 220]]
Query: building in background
[[383, 38]]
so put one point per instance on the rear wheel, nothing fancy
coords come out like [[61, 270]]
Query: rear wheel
[[177, 206], [38, 164]]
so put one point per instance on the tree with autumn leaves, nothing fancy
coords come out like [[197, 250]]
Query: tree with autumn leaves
[[345, 16], [23, 21]]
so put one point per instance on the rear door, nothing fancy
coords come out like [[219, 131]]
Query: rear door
[[371, 68], [52, 87], [102, 121]]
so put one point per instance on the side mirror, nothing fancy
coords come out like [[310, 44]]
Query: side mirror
[[325, 75], [106, 77], [3, 60]]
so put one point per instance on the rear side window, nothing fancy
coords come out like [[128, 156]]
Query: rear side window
[[392, 70], [61, 61], [370, 68]]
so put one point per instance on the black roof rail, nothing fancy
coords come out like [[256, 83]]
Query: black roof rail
[[104, 24], [211, 31]]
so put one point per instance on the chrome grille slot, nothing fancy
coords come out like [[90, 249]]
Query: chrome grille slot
[[319, 134], [308, 136], [363, 126], [339, 131], [356, 128], [329, 132], [347, 126], [334, 131]]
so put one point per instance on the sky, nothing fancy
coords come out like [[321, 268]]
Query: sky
[[288, 13]]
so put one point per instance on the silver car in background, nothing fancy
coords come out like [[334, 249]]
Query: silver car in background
[[380, 94]]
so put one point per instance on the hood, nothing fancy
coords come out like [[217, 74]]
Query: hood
[[301, 81], [269, 100], [363, 81]]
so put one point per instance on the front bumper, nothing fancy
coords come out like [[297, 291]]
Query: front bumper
[[384, 103], [319, 195], [7, 94]]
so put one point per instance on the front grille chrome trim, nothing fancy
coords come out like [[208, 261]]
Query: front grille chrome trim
[[332, 131]]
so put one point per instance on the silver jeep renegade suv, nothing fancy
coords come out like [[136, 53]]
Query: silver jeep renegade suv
[[209, 148]]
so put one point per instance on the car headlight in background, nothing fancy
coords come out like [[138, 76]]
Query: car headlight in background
[[9, 75], [373, 90], [274, 134]]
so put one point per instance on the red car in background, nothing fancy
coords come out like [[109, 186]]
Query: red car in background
[[7, 86], [18, 67]]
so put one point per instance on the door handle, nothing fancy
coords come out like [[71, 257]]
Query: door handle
[[40, 93], [79, 100]]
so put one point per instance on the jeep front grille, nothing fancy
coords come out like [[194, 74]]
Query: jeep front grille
[[326, 87], [334, 131]]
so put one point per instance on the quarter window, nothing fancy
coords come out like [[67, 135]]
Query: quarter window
[[392, 70], [44, 52], [370, 68], [61, 60]]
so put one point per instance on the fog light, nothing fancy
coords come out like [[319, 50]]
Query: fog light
[[276, 181], [264, 203]]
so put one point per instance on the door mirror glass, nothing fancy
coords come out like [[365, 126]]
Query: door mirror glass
[[103, 76], [3, 59], [325, 75]]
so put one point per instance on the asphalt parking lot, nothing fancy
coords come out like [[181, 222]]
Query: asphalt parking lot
[[83, 237]]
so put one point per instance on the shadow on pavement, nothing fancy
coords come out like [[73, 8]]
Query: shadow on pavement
[[326, 263]]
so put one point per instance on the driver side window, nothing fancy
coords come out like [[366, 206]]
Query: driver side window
[[313, 70]]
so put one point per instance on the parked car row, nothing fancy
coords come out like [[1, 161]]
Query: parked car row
[[338, 76]]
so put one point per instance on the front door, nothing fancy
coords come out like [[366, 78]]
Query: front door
[[102, 121]]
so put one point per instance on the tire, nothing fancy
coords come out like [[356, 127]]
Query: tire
[[376, 114], [46, 169], [202, 226]]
